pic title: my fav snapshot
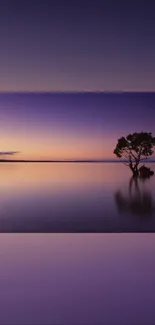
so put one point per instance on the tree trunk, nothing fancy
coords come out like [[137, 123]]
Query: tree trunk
[[135, 173], [134, 170]]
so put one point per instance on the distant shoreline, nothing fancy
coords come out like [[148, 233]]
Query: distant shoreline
[[67, 161], [36, 92]]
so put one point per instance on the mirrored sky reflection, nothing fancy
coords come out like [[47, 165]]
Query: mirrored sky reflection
[[74, 197], [77, 279], [71, 126]]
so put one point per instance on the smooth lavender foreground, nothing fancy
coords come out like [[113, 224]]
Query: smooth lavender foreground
[[77, 279]]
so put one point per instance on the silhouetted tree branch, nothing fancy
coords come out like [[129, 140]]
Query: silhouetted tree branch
[[135, 148]]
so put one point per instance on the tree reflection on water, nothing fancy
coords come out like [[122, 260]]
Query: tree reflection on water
[[139, 201]]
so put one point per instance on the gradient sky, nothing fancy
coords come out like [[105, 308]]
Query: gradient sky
[[71, 126], [73, 46]]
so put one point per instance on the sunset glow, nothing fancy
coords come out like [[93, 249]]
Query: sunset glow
[[70, 126]]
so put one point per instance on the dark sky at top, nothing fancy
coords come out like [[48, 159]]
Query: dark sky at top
[[77, 45]]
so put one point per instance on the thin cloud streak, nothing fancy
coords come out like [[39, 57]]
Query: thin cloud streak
[[9, 153]]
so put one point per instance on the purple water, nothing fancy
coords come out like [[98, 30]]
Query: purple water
[[74, 198], [77, 279]]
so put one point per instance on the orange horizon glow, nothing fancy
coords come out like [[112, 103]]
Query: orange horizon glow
[[61, 148], [69, 126]]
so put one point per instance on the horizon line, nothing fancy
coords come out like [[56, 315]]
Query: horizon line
[[75, 92], [70, 160]]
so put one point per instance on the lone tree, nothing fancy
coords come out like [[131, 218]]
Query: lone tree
[[135, 148]]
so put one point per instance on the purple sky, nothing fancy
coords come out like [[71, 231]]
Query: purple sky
[[71, 126], [77, 45]]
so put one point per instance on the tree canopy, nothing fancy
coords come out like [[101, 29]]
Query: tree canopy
[[134, 148]]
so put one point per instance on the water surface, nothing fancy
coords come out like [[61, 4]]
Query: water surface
[[74, 197], [66, 279]]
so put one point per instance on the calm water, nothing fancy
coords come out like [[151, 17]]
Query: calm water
[[76, 279], [72, 197]]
